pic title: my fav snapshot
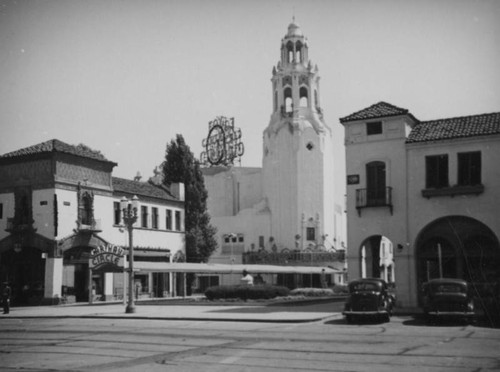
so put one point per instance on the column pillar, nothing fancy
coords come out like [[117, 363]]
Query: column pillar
[[53, 277], [108, 287]]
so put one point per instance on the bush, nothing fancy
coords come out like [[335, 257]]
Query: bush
[[246, 292], [341, 289], [312, 292]]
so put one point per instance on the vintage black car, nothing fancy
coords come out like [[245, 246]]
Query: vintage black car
[[369, 297], [447, 298]]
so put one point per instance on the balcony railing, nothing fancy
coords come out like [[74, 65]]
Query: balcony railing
[[454, 191], [293, 258], [95, 226], [368, 198]]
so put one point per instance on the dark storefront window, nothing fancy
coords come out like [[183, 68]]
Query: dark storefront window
[[144, 216], [469, 168], [117, 213], [155, 217], [169, 219], [311, 234], [436, 171]]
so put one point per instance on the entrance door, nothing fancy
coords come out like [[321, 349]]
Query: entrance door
[[81, 282], [25, 272], [375, 183]]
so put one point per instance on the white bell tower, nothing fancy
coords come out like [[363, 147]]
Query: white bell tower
[[298, 164]]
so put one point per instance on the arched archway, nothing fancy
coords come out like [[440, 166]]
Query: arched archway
[[304, 97], [288, 99], [377, 258], [23, 267], [458, 247]]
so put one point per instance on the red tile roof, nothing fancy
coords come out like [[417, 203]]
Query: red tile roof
[[55, 145], [141, 189], [378, 110], [459, 127]]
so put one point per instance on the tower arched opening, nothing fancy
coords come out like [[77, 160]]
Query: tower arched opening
[[298, 52], [304, 98], [288, 99], [290, 52]]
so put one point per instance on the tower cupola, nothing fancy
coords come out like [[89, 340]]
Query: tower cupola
[[295, 81], [294, 47]]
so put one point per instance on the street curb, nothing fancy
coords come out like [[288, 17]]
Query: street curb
[[193, 319]]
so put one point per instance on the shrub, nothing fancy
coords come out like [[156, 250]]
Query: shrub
[[341, 289], [246, 292], [312, 292]]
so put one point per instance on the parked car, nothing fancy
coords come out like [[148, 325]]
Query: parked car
[[447, 298], [369, 297]]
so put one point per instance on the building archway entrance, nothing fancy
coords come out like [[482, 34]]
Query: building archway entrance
[[458, 247], [24, 269], [377, 258]]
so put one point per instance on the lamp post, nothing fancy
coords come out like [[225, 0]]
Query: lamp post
[[129, 209]]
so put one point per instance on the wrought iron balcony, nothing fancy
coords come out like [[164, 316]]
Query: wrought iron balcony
[[369, 198], [293, 258], [95, 226], [454, 191]]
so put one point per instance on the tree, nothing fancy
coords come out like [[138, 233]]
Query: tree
[[181, 166]]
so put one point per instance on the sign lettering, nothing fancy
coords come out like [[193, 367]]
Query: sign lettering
[[106, 255]]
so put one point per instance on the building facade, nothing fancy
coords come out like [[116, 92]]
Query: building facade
[[292, 204], [422, 198], [59, 203]]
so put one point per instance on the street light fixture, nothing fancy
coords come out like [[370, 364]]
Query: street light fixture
[[129, 209]]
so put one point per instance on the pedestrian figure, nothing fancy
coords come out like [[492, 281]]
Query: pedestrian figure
[[6, 293], [247, 279], [323, 279]]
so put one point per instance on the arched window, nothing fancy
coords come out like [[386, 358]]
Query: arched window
[[298, 51], [303, 97], [375, 183], [86, 210], [290, 52], [288, 100], [316, 103], [275, 100]]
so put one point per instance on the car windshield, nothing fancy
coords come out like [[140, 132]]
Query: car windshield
[[449, 288], [364, 287]]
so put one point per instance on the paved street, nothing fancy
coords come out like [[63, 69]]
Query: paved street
[[121, 344]]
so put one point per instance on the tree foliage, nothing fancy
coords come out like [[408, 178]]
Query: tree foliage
[[181, 166]]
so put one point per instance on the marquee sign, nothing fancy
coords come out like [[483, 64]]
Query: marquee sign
[[106, 255], [223, 144]]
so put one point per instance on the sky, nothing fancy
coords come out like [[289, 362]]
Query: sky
[[124, 77]]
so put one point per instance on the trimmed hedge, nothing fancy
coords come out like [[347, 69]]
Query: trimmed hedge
[[255, 292], [312, 292]]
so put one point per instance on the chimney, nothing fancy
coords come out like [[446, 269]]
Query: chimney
[[177, 190], [137, 177]]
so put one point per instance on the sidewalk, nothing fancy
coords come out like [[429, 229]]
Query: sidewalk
[[178, 310]]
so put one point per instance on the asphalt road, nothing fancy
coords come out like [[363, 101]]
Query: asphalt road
[[126, 345]]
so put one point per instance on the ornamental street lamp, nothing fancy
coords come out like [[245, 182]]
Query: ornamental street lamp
[[129, 209]]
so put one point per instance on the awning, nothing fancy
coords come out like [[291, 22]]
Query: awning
[[185, 267]]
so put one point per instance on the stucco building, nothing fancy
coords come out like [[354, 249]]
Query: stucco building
[[425, 191], [292, 205], [58, 203]]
